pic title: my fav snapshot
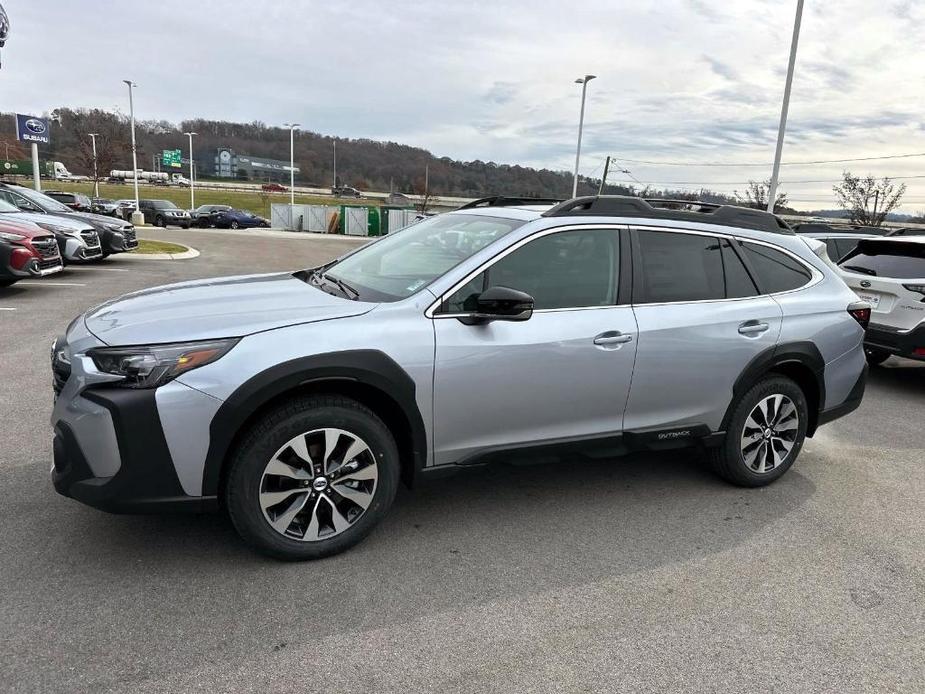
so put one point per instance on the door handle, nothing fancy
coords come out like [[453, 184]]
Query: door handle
[[753, 327], [612, 337]]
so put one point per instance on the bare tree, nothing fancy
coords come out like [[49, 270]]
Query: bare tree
[[868, 200], [756, 196]]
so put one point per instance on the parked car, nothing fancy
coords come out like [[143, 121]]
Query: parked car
[[236, 219], [200, 217], [844, 228], [160, 213], [26, 250], [889, 274], [104, 206], [838, 244], [274, 188], [299, 400], [345, 192], [115, 236], [77, 241], [75, 201], [125, 208]]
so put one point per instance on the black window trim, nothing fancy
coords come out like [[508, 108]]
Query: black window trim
[[638, 292], [623, 284]]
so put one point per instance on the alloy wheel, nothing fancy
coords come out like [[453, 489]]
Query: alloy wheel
[[318, 484], [770, 433]]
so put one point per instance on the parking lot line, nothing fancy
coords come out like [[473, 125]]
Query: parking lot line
[[43, 283], [3, 308]]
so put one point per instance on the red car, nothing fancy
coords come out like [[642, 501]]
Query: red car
[[26, 250], [274, 188]]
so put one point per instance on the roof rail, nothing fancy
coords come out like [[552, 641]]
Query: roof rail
[[508, 201], [822, 227], [686, 210]]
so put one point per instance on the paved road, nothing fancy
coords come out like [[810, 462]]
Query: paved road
[[643, 574]]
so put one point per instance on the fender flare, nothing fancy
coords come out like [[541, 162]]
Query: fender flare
[[803, 353], [368, 367]]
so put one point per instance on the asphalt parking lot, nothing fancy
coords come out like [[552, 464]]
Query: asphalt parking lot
[[632, 575]]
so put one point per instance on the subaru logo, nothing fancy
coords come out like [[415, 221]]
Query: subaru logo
[[865, 283], [34, 125]]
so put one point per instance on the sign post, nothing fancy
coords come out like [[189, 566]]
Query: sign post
[[33, 130]]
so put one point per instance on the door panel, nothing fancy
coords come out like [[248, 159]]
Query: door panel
[[690, 355], [561, 374]]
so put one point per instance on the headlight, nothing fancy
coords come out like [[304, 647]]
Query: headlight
[[155, 365], [114, 227], [48, 226], [11, 237]]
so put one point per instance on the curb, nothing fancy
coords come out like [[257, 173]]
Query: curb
[[185, 255]]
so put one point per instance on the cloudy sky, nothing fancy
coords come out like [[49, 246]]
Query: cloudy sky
[[687, 81]]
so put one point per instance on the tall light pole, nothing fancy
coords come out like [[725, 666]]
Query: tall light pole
[[192, 197], [583, 81], [96, 177], [292, 127], [334, 184], [772, 190], [131, 110]]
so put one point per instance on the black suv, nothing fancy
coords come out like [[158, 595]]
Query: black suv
[[76, 201], [160, 213]]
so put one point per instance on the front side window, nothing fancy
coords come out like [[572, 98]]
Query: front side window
[[567, 269], [776, 271], [679, 267], [400, 264]]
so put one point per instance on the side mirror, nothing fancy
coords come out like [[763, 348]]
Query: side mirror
[[500, 303]]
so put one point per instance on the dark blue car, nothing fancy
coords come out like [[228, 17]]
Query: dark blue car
[[236, 219]]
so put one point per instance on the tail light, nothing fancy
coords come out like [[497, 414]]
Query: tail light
[[918, 288], [860, 311]]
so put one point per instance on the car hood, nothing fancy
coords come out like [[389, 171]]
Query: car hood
[[215, 308], [70, 223]]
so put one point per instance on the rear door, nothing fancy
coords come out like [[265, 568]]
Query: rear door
[[890, 276], [701, 320]]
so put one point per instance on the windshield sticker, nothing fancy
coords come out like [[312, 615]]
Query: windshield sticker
[[415, 285]]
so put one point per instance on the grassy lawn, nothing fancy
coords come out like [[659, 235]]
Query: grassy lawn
[[252, 201], [146, 246]]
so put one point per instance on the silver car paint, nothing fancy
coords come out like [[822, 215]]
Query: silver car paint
[[475, 386]]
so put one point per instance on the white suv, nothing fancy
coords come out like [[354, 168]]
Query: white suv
[[889, 274]]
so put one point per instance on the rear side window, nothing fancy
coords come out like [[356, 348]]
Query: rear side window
[[738, 282], [900, 260], [776, 271], [680, 267]]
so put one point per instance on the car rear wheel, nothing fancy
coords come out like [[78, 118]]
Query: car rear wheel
[[312, 478], [159, 222], [875, 356], [765, 433]]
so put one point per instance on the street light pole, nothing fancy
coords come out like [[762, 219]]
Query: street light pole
[[334, 184], [583, 81], [96, 176], [192, 197], [292, 127], [772, 191], [131, 110]]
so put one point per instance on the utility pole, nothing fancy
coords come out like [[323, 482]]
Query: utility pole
[[137, 216], [334, 185], [604, 177], [192, 175], [876, 200], [583, 81], [772, 191], [292, 127], [96, 176]]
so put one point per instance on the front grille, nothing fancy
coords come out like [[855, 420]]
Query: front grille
[[60, 371], [131, 241], [48, 263], [91, 238], [46, 247]]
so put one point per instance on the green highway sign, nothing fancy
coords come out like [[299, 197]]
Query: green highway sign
[[171, 158]]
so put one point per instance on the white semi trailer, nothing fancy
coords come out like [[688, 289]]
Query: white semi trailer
[[121, 176]]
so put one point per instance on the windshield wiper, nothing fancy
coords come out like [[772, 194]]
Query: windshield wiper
[[862, 270], [343, 286]]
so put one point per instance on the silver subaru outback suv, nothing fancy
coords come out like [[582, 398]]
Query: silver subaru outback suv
[[298, 401]]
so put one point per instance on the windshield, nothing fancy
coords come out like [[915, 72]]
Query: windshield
[[46, 203], [402, 263], [164, 205]]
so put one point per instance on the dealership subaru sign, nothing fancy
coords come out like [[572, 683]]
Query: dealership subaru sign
[[32, 129]]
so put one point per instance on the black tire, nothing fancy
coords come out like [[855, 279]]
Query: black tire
[[299, 415], [875, 356], [159, 222], [728, 460], [235, 225]]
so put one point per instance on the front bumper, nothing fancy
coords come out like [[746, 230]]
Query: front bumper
[[900, 343], [145, 481]]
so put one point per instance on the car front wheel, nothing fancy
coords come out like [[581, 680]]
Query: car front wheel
[[765, 433], [312, 478]]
